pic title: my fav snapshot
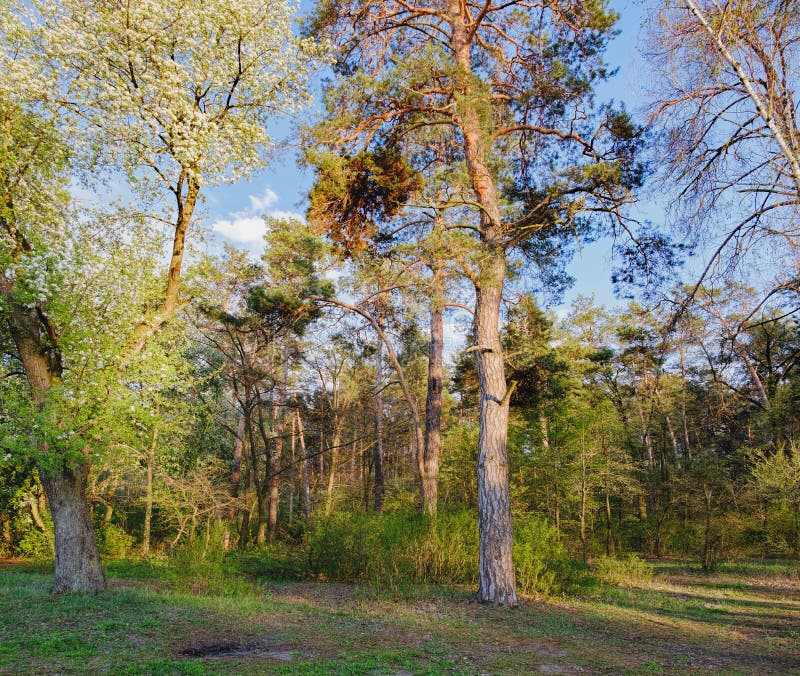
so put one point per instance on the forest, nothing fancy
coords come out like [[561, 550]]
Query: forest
[[392, 393]]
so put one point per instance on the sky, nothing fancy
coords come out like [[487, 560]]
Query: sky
[[233, 213]]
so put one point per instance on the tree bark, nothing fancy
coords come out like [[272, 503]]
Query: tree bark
[[304, 468], [334, 460], [34, 504], [433, 401], [279, 428], [377, 448], [236, 471], [496, 568], [148, 490], [77, 561], [709, 556], [186, 202], [293, 470]]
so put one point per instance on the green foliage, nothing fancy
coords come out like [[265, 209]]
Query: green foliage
[[34, 545], [457, 481], [113, 542], [394, 548], [205, 568], [631, 569], [542, 563], [402, 548], [275, 561]]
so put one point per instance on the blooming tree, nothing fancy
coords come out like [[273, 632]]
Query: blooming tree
[[176, 94]]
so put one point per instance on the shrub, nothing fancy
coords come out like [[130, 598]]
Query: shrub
[[204, 567], [113, 542], [276, 561], [34, 545], [396, 548], [615, 571], [541, 561]]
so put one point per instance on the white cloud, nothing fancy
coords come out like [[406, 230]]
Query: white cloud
[[242, 228], [264, 202], [247, 227]]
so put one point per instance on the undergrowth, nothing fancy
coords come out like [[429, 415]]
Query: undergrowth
[[401, 548]]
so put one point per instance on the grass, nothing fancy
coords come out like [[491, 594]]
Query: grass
[[744, 619]]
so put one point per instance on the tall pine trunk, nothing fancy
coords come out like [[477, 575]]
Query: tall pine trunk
[[497, 577], [496, 568]]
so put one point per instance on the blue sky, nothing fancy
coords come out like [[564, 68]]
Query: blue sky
[[234, 212]]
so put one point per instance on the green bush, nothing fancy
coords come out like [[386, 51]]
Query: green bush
[[276, 561], [615, 571], [34, 545], [113, 542], [408, 548], [202, 566], [541, 561]]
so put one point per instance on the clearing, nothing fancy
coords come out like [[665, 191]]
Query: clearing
[[744, 619]]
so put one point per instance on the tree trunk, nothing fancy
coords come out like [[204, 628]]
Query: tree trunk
[[35, 505], [378, 486], [238, 447], [187, 195], [433, 401], [108, 512], [77, 561], [259, 482], [148, 491], [244, 530], [279, 428], [584, 496], [263, 509], [304, 468], [496, 567], [709, 557], [334, 459], [236, 472], [5, 532], [292, 471]]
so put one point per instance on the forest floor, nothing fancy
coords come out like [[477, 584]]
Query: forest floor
[[744, 619]]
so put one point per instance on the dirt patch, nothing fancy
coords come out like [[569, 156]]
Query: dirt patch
[[213, 650], [233, 650]]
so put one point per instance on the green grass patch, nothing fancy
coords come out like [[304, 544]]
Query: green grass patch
[[154, 614]]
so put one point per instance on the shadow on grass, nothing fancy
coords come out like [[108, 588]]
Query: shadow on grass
[[149, 626]]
